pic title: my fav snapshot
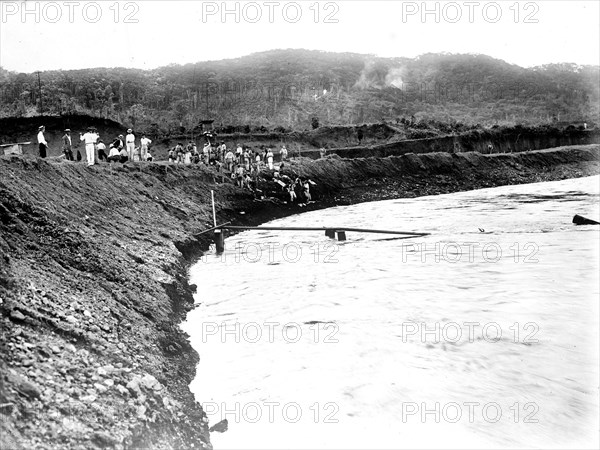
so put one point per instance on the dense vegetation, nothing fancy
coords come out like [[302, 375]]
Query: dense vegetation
[[301, 89]]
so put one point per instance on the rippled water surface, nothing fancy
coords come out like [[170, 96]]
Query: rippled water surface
[[483, 334]]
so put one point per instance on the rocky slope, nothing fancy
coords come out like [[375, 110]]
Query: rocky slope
[[93, 280]]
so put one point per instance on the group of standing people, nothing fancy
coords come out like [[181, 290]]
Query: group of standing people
[[221, 156], [122, 149], [242, 163], [298, 189]]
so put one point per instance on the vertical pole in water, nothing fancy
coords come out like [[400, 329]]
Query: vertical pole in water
[[212, 195], [219, 233], [220, 240]]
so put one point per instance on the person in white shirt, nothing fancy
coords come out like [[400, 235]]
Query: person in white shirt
[[270, 159], [130, 142], [137, 154], [90, 139], [101, 147], [114, 155], [206, 151], [43, 145], [239, 152], [229, 161], [283, 153], [145, 145], [306, 186]]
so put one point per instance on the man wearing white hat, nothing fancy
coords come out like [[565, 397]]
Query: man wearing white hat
[[90, 138], [130, 142], [43, 145]]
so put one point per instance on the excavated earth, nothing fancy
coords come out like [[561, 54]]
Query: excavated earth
[[94, 279]]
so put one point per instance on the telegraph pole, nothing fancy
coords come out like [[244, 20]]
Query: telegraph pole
[[40, 87], [207, 101]]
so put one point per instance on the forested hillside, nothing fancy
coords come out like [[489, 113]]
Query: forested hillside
[[300, 89]]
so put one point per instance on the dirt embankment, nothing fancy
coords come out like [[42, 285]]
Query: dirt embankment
[[484, 142], [25, 129], [376, 140], [93, 280]]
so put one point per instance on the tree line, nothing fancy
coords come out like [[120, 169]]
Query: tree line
[[289, 89]]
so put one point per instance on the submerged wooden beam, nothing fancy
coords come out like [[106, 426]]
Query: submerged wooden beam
[[218, 227], [338, 229]]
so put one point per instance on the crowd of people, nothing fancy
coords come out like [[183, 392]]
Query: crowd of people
[[242, 164], [121, 149], [219, 155]]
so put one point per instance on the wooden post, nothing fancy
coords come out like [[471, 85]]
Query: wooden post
[[341, 235], [220, 240], [330, 234], [212, 195]]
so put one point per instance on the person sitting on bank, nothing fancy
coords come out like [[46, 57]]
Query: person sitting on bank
[[124, 155], [113, 155], [118, 143]]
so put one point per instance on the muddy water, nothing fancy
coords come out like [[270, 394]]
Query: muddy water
[[484, 334]]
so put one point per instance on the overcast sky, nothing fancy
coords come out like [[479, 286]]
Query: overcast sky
[[148, 34]]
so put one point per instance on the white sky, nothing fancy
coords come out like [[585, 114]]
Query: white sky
[[169, 32]]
